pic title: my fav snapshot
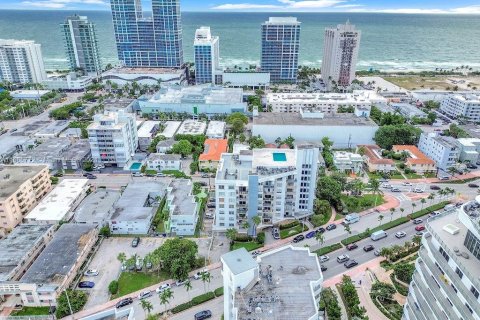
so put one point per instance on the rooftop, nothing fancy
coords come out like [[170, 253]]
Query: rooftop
[[114, 103], [373, 153], [170, 128], [282, 20], [97, 206], [363, 97], [127, 70], [239, 261], [274, 158], [60, 255], [282, 119], [50, 149], [284, 289], [166, 143], [199, 94], [12, 177], [415, 156], [56, 205], [216, 128], [148, 128], [469, 142], [18, 245], [192, 127], [213, 149], [164, 157], [77, 151], [182, 200], [54, 128]]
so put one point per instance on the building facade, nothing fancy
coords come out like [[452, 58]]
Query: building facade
[[372, 155], [347, 162], [458, 105], [21, 61], [113, 138], [446, 280], [416, 160], [443, 150], [182, 208], [280, 46], [21, 189], [469, 149], [340, 53], [142, 41], [160, 162], [275, 184], [81, 44], [206, 51]]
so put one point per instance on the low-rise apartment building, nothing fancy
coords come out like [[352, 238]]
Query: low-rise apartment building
[[165, 145], [212, 152], [347, 162], [275, 184], [372, 154], [462, 105], [216, 130], [182, 208], [160, 162], [443, 150], [284, 283], [469, 149], [21, 188], [147, 133], [416, 160]]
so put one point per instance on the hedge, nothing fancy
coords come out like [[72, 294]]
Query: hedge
[[383, 310], [398, 286], [198, 300], [394, 223], [261, 238], [218, 292], [203, 298], [289, 225], [328, 249]]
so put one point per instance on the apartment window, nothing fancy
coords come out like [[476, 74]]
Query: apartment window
[[444, 254], [459, 272], [453, 287], [469, 308], [474, 291], [472, 244]]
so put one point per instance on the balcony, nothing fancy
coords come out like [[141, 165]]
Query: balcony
[[423, 292]]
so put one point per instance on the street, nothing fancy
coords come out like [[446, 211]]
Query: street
[[215, 305]]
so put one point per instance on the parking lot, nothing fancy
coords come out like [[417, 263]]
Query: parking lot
[[105, 260]]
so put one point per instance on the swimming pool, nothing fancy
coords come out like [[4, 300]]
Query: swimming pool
[[279, 156], [136, 166]]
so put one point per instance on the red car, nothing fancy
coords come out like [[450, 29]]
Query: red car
[[352, 246], [419, 228]]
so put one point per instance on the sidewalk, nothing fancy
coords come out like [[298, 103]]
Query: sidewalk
[[365, 300]]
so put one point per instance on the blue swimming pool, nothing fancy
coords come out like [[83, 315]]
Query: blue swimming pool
[[279, 156], [136, 166]]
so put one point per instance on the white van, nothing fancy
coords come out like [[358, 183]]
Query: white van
[[449, 207], [377, 235], [351, 218]]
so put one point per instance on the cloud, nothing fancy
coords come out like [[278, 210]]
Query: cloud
[[463, 10], [283, 4], [245, 6], [59, 4], [350, 6]]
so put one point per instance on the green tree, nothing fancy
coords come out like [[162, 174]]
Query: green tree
[[256, 222], [105, 231], [113, 287], [178, 257], [146, 306], [77, 300], [329, 189], [404, 271], [392, 211], [322, 207], [237, 115], [423, 201], [165, 297], [182, 147], [188, 287], [242, 137], [375, 186], [231, 234], [121, 257], [88, 165], [383, 291], [380, 218], [389, 135], [206, 278], [237, 126]]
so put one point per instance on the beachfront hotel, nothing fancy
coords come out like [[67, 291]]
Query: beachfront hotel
[[280, 46], [340, 53], [206, 53], [142, 41], [446, 281], [81, 44]]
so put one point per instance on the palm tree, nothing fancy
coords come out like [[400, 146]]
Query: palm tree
[[256, 221], [347, 228], [206, 277], [430, 197], [401, 210], [246, 225], [392, 211], [231, 234], [375, 185], [423, 201], [188, 287], [417, 240], [413, 206], [380, 218], [165, 297], [452, 171], [122, 257], [146, 306], [320, 238]]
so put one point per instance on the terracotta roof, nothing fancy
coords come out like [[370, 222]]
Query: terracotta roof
[[270, 145], [213, 149], [284, 146], [375, 157], [416, 156]]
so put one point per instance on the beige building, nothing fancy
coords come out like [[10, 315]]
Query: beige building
[[21, 187], [372, 154]]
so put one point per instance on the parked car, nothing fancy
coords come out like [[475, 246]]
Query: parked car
[[444, 178], [321, 230], [298, 238], [159, 174], [137, 174], [352, 246], [91, 273], [205, 175], [377, 252], [331, 226], [407, 184], [323, 268], [148, 265], [124, 302], [400, 234], [368, 248], [417, 221], [472, 166], [351, 263], [91, 177], [144, 295], [434, 187], [386, 186], [198, 275], [473, 185], [396, 190], [86, 174], [205, 314], [179, 283], [135, 242], [211, 205], [209, 214], [420, 228], [162, 288], [311, 234], [419, 233], [434, 213], [343, 258], [276, 236], [323, 258], [86, 284]]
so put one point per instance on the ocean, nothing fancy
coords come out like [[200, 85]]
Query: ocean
[[389, 41]]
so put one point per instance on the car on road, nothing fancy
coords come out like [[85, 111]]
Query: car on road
[[179, 283], [324, 258], [144, 295], [311, 234], [91, 273], [382, 180], [434, 187], [323, 268], [124, 302], [91, 177], [419, 233], [86, 174], [298, 238], [159, 174], [473, 185], [386, 186], [198, 275], [418, 190], [321, 230], [343, 258], [377, 252], [137, 174], [400, 234], [86, 284], [444, 178], [368, 248], [417, 221], [205, 314], [472, 166], [205, 175], [135, 242], [407, 184], [396, 190], [434, 214], [420, 228], [331, 226], [352, 246], [162, 288], [351, 263], [276, 235]]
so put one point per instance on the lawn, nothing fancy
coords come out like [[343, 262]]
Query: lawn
[[133, 281], [416, 82], [250, 245], [413, 176], [285, 233], [339, 216], [357, 204], [31, 311]]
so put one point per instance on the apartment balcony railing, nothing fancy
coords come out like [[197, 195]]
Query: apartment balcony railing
[[423, 294]]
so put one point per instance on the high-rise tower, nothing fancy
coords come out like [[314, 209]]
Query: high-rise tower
[[21, 61], [206, 52]]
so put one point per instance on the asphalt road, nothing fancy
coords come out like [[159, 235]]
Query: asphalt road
[[215, 305]]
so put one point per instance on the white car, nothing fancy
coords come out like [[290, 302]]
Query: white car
[[407, 184], [400, 234], [144, 295], [163, 287], [418, 190], [386, 186], [91, 273], [198, 275], [324, 258]]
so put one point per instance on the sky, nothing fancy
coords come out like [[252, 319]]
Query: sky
[[385, 6]]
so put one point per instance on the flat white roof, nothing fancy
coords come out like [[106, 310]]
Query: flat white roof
[[56, 205], [274, 158], [357, 97], [146, 129], [170, 128], [216, 128], [29, 93], [192, 127]]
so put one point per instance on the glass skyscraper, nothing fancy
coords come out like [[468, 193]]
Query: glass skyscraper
[[148, 41], [280, 45], [81, 44], [206, 52]]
